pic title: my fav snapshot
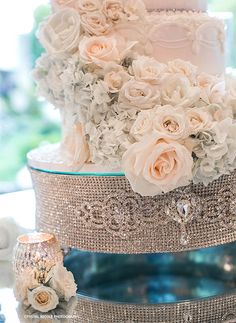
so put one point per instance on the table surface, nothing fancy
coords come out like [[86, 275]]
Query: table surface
[[21, 207]]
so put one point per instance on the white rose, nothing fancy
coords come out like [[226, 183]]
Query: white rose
[[99, 50], [199, 119], [170, 122], [88, 5], [155, 165], [95, 23], [113, 9], [134, 9], [183, 67], [25, 281], [177, 90], [63, 282], [75, 147], [148, 69], [140, 95], [212, 88], [143, 125], [61, 33], [43, 299], [115, 78]]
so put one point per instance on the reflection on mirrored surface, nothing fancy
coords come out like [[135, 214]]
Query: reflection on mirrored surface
[[141, 279], [155, 279]]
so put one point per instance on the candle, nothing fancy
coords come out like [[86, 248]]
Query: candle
[[39, 251]]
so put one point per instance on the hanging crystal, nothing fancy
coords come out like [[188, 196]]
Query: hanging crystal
[[183, 209]]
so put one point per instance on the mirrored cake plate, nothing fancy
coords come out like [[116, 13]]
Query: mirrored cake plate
[[192, 286]]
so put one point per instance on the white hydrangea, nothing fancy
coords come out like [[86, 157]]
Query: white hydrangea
[[47, 75], [216, 152]]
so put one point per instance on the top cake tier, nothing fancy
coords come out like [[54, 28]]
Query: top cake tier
[[195, 5]]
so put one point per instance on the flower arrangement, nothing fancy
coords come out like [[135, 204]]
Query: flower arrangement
[[44, 289], [165, 125]]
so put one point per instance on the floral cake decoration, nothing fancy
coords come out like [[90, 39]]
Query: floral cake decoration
[[164, 125], [45, 289]]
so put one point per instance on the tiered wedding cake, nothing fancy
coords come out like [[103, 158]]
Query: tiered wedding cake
[[146, 109]]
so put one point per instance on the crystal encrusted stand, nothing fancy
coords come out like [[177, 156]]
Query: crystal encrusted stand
[[145, 243]]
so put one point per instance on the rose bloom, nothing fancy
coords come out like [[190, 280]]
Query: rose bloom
[[179, 66], [113, 9], [63, 282], [212, 88], [116, 78], [23, 283], [154, 165], [170, 122], [43, 299], [61, 32], [75, 147], [134, 9], [99, 50], [58, 4], [140, 95], [88, 5], [199, 119], [177, 90], [143, 125], [95, 23], [148, 69]]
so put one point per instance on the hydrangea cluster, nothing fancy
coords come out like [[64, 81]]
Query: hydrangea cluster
[[165, 125]]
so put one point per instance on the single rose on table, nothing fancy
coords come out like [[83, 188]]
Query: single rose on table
[[58, 286]]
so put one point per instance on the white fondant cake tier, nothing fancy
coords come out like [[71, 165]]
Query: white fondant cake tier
[[197, 5], [49, 158], [190, 36]]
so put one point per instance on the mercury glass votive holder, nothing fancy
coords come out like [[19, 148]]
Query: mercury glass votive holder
[[35, 248]]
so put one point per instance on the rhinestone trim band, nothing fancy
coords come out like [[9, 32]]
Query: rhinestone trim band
[[217, 309], [103, 214]]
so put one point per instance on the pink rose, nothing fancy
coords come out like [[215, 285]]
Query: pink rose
[[140, 95], [95, 23], [113, 9], [85, 6], [115, 78], [177, 90], [148, 69], [170, 122], [154, 166], [58, 4], [99, 50]]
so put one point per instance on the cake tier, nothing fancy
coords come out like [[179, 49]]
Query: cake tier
[[198, 5], [190, 36], [100, 212]]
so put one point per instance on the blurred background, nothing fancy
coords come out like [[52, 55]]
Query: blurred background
[[26, 121]]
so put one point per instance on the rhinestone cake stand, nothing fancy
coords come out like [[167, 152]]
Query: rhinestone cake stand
[[163, 259]]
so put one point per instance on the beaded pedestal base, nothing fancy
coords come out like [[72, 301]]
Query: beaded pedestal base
[[215, 310], [101, 213]]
